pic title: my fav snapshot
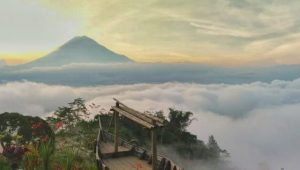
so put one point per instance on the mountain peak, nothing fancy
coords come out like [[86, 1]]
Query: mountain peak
[[81, 38], [80, 49], [82, 42]]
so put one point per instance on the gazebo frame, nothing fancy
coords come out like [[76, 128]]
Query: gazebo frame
[[146, 120]]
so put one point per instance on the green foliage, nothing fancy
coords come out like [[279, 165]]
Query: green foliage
[[68, 159], [87, 134], [14, 124], [32, 160], [179, 120], [76, 137], [46, 150], [133, 131], [38, 136], [214, 149], [70, 115], [4, 164], [175, 128], [23, 129], [187, 145]]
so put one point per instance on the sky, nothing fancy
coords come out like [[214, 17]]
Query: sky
[[217, 32]]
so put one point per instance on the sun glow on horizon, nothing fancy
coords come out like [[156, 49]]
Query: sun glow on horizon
[[21, 58]]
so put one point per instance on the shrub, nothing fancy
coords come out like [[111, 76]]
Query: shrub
[[26, 128], [4, 164]]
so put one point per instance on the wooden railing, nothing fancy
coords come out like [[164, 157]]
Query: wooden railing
[[99, 159], [163, 162]]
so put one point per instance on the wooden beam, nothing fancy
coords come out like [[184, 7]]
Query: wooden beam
[[146, 117], [154, 149], [132, 117], [157, 119], [140, 115], [116, 140]]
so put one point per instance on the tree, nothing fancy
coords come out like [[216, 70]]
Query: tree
[[22, 129], [71, 121], [179, 119], [70, 115], [18, 130], [175, 128], [213, 146], [214, 149]]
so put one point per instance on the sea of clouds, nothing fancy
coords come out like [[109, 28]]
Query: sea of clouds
[[258, 123], [91, 74]]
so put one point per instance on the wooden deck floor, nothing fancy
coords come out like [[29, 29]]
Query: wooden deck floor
[[109, 148], [127, 163], [122, 163]]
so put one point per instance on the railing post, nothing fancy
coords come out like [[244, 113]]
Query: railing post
[[116, 140], [154, 147]]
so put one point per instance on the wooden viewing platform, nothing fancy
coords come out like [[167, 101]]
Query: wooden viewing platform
[[115, 153], [128, 163]]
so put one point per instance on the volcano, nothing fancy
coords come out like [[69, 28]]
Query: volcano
[[80, 49]]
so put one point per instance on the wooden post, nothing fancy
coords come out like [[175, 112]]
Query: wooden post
[[154, 148], [116, 140]]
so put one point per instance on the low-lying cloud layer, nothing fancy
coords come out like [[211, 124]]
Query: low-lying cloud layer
[[257, 122], [94, 74]]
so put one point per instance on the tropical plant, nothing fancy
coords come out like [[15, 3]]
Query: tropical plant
[[68, 159], [31, 160], [46, 150]]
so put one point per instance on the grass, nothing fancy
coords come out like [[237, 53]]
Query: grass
[[46, 150], [4, 164], [31, 160]]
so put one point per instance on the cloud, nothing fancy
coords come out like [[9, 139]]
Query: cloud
[[257, 122], [204, 31], [235, 101], [223, 32], [92, 74], [266, 137], [276, 50], [36, 98]]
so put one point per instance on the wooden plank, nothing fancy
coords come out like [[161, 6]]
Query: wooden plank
[[132, 117], [127, 163], [108, 148]]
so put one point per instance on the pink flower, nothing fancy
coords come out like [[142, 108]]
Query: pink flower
[[36, 125], [59, 125]]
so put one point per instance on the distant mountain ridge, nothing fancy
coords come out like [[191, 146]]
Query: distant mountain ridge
[[81, 49]]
